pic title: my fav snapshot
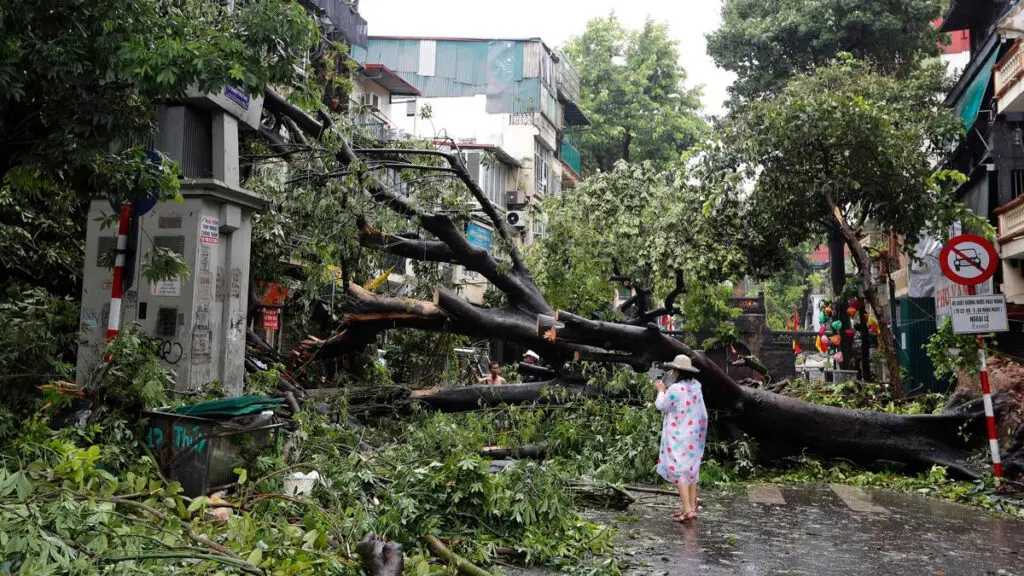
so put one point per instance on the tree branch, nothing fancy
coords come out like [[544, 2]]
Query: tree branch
[[415, 248]]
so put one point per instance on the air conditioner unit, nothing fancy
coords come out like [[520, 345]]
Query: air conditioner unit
[[372, 100], [516, 197], [516, 218]]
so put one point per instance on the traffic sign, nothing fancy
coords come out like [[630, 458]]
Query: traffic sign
[[979, 314], [968, 259]]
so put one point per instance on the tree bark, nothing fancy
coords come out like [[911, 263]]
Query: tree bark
[[837, 269], [860, 256], [468, 398]]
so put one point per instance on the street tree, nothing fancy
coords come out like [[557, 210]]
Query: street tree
[[432, 232], [634, 94], [767, 42], [845, 145]]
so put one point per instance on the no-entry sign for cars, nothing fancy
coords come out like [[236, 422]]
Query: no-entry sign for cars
[[968, 259]]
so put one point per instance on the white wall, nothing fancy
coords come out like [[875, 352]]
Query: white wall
[[458, 118]]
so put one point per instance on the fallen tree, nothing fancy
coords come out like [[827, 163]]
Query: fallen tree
[[781, 426]]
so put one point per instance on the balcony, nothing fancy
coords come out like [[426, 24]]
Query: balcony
[[568, 79], [570, 156], [373, 123], [1008, 86], [1011, 229]]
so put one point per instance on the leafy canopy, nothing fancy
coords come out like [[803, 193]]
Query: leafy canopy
[[637, 222], [849, 135], [766, 42], [634, 93]]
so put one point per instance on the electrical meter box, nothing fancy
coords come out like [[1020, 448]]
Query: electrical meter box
[[199, 321]]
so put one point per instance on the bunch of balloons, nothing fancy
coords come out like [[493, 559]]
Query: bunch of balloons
[[831, 333]]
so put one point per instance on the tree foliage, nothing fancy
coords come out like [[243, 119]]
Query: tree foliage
[[634, 93], [639, 223], [79, 77], [852, 137], [767, 42]]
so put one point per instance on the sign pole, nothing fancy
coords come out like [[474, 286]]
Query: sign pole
[[114, 317], [986, 394], [969, 260]]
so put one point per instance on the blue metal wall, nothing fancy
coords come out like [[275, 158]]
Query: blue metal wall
[[463, 68]]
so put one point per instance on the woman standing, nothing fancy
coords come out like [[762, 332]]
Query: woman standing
[[683, 433]]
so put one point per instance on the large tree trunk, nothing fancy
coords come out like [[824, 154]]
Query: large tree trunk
[[784, 425], [860, 256], [837, 269]]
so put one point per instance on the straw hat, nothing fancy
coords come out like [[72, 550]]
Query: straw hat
[[682, 362]]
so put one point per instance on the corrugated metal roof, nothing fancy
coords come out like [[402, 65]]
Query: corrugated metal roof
[[398, 55]]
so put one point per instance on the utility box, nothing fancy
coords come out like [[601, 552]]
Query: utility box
[[200, 322]]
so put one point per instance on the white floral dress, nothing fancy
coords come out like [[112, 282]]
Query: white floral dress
[[683, 432]]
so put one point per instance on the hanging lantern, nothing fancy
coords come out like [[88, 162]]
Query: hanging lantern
[[854, 303], [822, 318], [838, 358], [850, 332], [837, 325], [836, 339], [821, 329], [851, 311], [828, 311], [824, 341]]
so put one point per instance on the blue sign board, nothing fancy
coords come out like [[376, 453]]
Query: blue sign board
[[238, 96], [479, 236]]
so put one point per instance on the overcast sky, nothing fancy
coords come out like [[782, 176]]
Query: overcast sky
[[555, 21]]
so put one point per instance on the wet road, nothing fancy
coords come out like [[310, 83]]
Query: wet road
[[834, 530]]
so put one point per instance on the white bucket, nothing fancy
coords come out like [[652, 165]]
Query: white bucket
[[299, 484]]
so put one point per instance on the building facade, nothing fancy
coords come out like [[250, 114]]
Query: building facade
[[509, 106]]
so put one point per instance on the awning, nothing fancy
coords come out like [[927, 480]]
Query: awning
[[958, 17], [968, 104], [389, 80], [574, 116]]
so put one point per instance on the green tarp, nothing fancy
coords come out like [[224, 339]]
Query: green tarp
[[231, 407], [969, 103]]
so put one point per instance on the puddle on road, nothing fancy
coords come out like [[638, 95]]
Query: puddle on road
[[814, 532]]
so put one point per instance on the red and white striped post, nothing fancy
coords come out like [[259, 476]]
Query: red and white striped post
[[986, 395], [114, 318]]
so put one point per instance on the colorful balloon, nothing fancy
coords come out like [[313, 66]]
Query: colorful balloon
[[851, 311], [828, 310], [837, 325], [822, 318], [850, 332], [836, 340]]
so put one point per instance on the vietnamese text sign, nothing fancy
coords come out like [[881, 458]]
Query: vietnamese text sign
[[479, 236], [209, 230], [979, 314], [166, 287], [946, 290], [270, 320]]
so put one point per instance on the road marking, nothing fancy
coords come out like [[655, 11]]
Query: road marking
[[857, 499], [765, 494]]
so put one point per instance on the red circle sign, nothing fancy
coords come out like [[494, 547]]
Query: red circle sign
[[968, 259]]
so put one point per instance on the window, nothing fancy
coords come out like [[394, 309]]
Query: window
[[1017, 182], [537, 226], [542, 159], [492, 181], [410, 108]]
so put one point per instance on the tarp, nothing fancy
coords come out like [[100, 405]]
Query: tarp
[[230, 407], [969, 104]]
